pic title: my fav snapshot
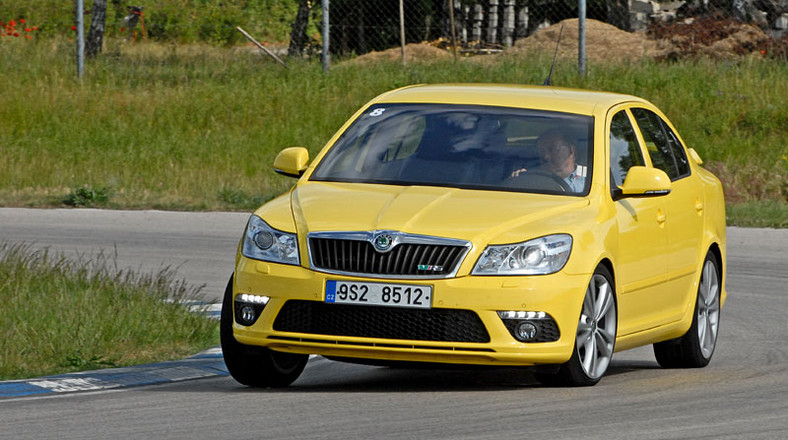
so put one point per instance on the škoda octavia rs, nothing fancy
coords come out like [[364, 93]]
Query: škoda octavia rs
[[483, 225]]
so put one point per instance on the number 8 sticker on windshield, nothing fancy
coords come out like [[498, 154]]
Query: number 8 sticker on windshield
[[379, 294]]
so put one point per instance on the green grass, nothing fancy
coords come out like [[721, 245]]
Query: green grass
[[167, 20], [196, 127], [763, 213], [62, 315]]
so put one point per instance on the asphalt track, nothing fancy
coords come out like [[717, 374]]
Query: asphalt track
[[742, 394]]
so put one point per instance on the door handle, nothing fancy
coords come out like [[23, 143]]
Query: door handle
[[661, 217], [698, 206]]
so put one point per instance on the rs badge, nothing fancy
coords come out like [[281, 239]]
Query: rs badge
[[430, 268]]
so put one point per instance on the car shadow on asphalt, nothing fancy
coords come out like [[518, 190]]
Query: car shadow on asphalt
[[322, 375]]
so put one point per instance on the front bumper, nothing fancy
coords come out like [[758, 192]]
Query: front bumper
[[559, 295]]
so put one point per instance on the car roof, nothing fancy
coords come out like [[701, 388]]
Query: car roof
[[567, 100]]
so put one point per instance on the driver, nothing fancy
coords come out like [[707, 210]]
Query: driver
[[558, 157]]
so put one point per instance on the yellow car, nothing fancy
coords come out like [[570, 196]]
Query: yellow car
[[483, 225]]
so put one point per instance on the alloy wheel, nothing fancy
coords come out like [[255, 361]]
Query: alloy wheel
[[596, 331], [708, 309]]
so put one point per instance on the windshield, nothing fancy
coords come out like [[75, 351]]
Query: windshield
[[474, 147]]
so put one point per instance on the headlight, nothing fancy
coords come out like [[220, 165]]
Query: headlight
[[262, 242], [540, 256]]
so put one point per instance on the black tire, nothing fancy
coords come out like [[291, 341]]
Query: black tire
[[597, 327], [251, 365], [695, 348]]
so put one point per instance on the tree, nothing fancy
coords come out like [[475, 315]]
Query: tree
[[298, 36], [95, 38]]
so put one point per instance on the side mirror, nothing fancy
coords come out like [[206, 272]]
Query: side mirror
[[645, 182], [292, 161]]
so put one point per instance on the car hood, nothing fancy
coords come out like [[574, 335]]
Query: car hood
[[481, 217]]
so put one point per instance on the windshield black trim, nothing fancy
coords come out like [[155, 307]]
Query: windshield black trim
[[456, 186]]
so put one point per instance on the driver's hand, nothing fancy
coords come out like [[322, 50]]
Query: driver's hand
[[516, 173]]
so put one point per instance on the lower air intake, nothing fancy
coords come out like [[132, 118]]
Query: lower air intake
[[439, 325]]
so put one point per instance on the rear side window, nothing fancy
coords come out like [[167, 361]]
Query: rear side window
[[624, 149], [664, 148]]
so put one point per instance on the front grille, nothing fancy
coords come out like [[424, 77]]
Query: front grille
[[439, 325], [408, 259]]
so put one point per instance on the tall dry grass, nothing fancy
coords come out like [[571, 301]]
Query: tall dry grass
[[63, 315], [197, 127]]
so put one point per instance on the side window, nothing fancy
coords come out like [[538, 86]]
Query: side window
[[679, 152], [662, 144], [624, 149]]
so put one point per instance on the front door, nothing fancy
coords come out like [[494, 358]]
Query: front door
[[642, 260]]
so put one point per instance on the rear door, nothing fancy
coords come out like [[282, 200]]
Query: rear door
[[684, 208]]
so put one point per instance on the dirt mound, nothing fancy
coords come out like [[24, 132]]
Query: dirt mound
[[603, 42], [710, 36], [421, 52], [713, 37]]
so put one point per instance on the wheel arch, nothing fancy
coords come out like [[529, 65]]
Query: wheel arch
[[608, 264], [714, 249], [605, 261]]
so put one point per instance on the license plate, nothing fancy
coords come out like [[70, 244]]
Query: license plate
[[379, 294]]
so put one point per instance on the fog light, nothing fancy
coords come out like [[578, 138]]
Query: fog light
[[248, 314], [526, 331], [248, 308], [530, 325]]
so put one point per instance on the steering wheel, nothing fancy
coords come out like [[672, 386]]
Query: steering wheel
[[539, 179]]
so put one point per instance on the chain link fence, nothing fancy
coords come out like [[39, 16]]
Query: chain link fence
[[357, 27], [668, 29]]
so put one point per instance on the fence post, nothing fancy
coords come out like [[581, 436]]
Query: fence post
[[453, 29], [80, 19], [581, 43], [402, 28], [326, 61]]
